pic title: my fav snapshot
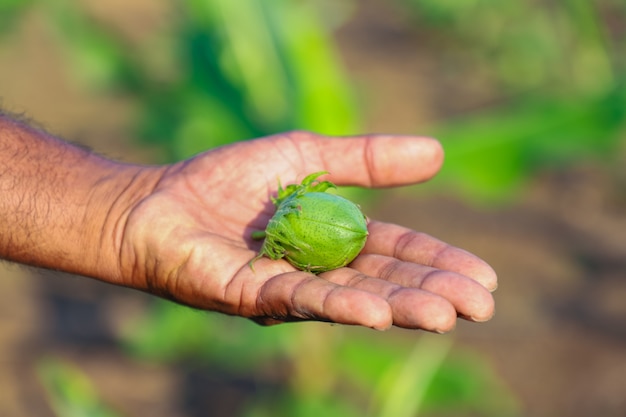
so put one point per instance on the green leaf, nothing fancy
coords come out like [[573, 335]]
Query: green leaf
[[70, 392], [402, 388], [490, 155], [460, 384]]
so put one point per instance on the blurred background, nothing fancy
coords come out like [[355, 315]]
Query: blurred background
[[529, 101]]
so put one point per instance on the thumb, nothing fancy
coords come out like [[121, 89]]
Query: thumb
[[378, 160]]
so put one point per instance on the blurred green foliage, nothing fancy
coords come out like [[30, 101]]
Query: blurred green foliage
[[70, 392], [233, 70], [560, 74], [489, 156], [333, 370], [10, 11]]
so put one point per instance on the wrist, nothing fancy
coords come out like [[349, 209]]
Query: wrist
[[63, 207], [118, 194]]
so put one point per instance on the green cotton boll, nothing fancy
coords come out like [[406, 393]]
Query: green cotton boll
[[313, 230]]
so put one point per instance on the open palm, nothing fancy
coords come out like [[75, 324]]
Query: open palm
[[189, 239]]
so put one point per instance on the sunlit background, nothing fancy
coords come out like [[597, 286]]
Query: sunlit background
[[529, 100]]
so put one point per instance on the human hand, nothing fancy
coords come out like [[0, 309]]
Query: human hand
[[189, 239]]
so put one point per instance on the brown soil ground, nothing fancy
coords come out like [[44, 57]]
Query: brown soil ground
[[558, 340]]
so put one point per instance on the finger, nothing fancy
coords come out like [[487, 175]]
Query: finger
[[411, 246], [412, 308], [371, 161], [469, 298], [302, 295]]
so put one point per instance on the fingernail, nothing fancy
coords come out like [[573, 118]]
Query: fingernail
[[382, 328], [441, 331], [482, 320]]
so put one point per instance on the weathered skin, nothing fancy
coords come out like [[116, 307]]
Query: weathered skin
[[313, 230]]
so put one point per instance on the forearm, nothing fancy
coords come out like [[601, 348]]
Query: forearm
[[61, 207]]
